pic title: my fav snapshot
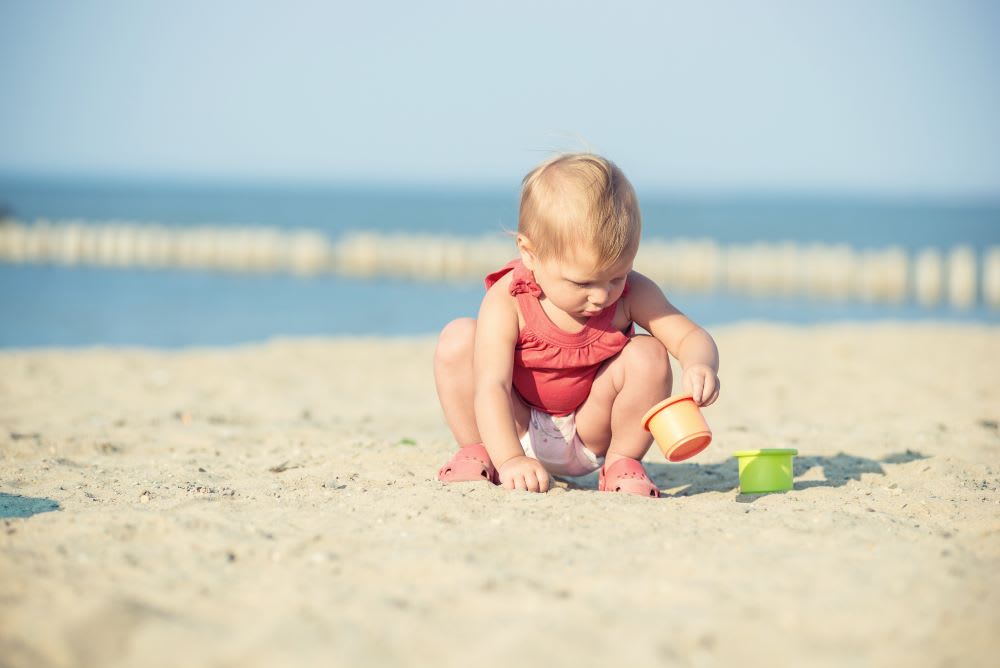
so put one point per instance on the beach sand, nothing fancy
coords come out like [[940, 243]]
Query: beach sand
[[277, 504]]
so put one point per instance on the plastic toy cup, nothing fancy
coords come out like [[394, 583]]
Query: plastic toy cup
[[678, 427], [764, 471]]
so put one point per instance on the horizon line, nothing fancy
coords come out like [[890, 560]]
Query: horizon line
[[484, 186]]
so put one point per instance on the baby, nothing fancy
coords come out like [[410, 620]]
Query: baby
[[552, 378]]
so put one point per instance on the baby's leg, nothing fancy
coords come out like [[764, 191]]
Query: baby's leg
[[609, 421], [456, 383]]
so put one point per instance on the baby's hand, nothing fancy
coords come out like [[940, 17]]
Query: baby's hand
[[701, 382], [523, 472]]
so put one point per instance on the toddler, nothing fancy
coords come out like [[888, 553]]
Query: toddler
[[552, 379]]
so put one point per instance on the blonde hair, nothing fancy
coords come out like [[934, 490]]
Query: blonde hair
[[575, 198]]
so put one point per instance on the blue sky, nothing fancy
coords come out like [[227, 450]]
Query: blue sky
[[891, 96]]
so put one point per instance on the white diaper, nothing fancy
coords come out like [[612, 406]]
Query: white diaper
[[554, 442]]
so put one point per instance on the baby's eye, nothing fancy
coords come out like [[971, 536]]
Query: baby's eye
[[580, 285]]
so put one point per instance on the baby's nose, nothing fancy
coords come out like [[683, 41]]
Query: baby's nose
[[598, 297]]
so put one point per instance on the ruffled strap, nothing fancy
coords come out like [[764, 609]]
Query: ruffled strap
[[522, 281], [521, 284]]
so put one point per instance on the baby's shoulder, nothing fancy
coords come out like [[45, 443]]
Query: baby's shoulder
[[638, 281], [641, 288], [645, 300], [499, 309], [503, 282], [498, 295]]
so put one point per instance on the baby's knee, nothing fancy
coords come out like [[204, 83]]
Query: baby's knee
[[646, 355], [456, 340]]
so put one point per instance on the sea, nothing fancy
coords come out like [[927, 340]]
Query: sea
[[54, 305]]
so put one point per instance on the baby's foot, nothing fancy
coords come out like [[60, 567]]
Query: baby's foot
[[470, 463], [626, 475]]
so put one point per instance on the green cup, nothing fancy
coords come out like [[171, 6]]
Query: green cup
[[763, 471]]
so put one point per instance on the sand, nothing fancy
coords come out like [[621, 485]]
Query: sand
[[276, 504]]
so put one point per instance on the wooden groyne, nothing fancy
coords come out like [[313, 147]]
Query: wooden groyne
[[959, 276]]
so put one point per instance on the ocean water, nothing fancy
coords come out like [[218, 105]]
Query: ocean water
[[72, 306]]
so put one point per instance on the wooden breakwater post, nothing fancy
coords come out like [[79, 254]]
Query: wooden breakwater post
[[962, 277], [928, 276], [991, 277]]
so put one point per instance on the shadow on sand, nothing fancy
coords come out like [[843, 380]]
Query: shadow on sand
[[700, 478], [12, 505]]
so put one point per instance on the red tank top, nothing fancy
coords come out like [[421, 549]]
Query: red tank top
[[554, 369]]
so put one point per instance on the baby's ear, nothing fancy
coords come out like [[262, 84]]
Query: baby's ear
[[527, 255]]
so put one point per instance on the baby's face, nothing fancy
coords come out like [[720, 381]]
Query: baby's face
[[576, 286]]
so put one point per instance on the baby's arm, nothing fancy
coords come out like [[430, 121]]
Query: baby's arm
[[493, 364], [685, 340]]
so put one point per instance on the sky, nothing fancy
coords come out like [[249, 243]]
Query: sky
[[845, 96]]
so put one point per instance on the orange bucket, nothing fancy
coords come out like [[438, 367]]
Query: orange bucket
[[678, 427]]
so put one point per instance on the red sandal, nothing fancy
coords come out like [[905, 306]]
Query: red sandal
[[470, 463], [626, 475]]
